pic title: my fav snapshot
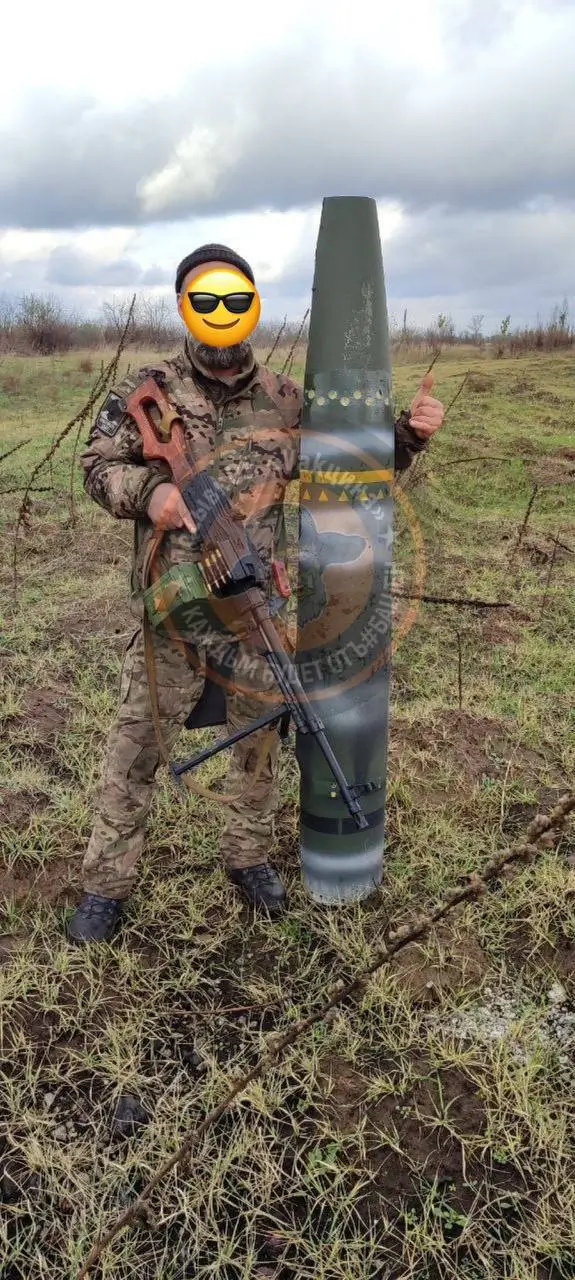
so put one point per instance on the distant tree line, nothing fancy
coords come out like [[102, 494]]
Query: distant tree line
[[553, 334], [36, 324]]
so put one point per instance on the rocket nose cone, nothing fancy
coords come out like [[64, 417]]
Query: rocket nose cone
[[348, 324]]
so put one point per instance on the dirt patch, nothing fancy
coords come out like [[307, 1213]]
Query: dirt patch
[[553, 470], [523, 387], [423, 1149], [550, 398], [17, 808], [10, 944], [101, 618], [344, 1089], [475, 745], [46, 712], [539, 552], [106, 617], [482, 746], [480, 382], [559, 958], [458, 960], [524, 444], [499, 629], [520, 813], [566, 453], [54, 883], [86, 550]]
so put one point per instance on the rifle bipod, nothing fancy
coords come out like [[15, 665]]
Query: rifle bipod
[[282, 714]]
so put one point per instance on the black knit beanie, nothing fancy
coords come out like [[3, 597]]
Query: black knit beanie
[[212, 253]]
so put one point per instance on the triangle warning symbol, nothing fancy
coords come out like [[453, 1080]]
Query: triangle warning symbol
[[306, 494], [323, 496], [343, 497]]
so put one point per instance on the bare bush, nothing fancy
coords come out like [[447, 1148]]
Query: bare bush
[[475, 327], [503, 331], [37, 325], [155, 323], [43, 326], [557, 335]]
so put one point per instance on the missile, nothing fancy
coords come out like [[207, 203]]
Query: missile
[[343, 640]]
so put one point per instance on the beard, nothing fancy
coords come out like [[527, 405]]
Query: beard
[[222, 357]]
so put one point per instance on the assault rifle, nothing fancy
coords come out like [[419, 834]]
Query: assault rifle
[[232, 571]]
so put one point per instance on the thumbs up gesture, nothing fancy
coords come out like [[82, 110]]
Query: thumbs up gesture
[[427, 413]]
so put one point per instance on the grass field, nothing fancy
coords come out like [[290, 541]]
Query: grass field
[[424, 1132]]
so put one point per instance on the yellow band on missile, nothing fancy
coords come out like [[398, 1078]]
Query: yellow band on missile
[[346, 477]]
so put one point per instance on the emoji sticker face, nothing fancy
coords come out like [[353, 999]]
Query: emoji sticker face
[[220, 306]]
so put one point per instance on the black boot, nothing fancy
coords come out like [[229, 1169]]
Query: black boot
[[262, 887], [95, 919]]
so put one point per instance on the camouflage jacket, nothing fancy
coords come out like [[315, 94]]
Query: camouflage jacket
[[250, 426]]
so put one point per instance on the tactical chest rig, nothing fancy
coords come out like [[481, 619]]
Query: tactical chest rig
[[228, 580]]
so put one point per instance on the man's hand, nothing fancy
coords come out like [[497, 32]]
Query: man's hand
[[427, 413], [167, 509]]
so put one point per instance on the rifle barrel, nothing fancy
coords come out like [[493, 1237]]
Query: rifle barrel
[[306, 718]]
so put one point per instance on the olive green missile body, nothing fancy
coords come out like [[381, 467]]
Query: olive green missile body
[[345, 550]]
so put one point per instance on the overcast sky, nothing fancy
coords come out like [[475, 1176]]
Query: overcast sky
[[130, 135]]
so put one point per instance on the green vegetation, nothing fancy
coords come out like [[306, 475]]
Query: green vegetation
[[387, 1144]]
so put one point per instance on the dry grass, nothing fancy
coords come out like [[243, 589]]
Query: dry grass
[[385, 1146]]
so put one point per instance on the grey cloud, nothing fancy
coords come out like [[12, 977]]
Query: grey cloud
[[68, 162], [475, 24], [513, 260], [67, 266], [435, 252], [493, 133], [156, 275]]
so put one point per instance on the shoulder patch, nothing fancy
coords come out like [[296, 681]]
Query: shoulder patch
[[110, 415]]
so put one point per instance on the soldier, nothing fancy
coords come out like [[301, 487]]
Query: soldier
[[229, 404]]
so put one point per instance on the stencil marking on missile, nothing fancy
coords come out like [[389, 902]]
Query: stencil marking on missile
[[345, 545]]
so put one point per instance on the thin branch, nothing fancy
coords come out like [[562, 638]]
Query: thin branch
[[277, 339], [110, 379], [457, 394], [523, 528], [289, 359], [218, 1013], [482, 457], [80, 417], [19, 487], [548, 580], [563, 545], [459, 671], [435, 359], [543, 828], [14, 449], [460, 601]]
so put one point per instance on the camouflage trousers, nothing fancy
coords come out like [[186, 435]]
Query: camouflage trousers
[[127, 786]]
